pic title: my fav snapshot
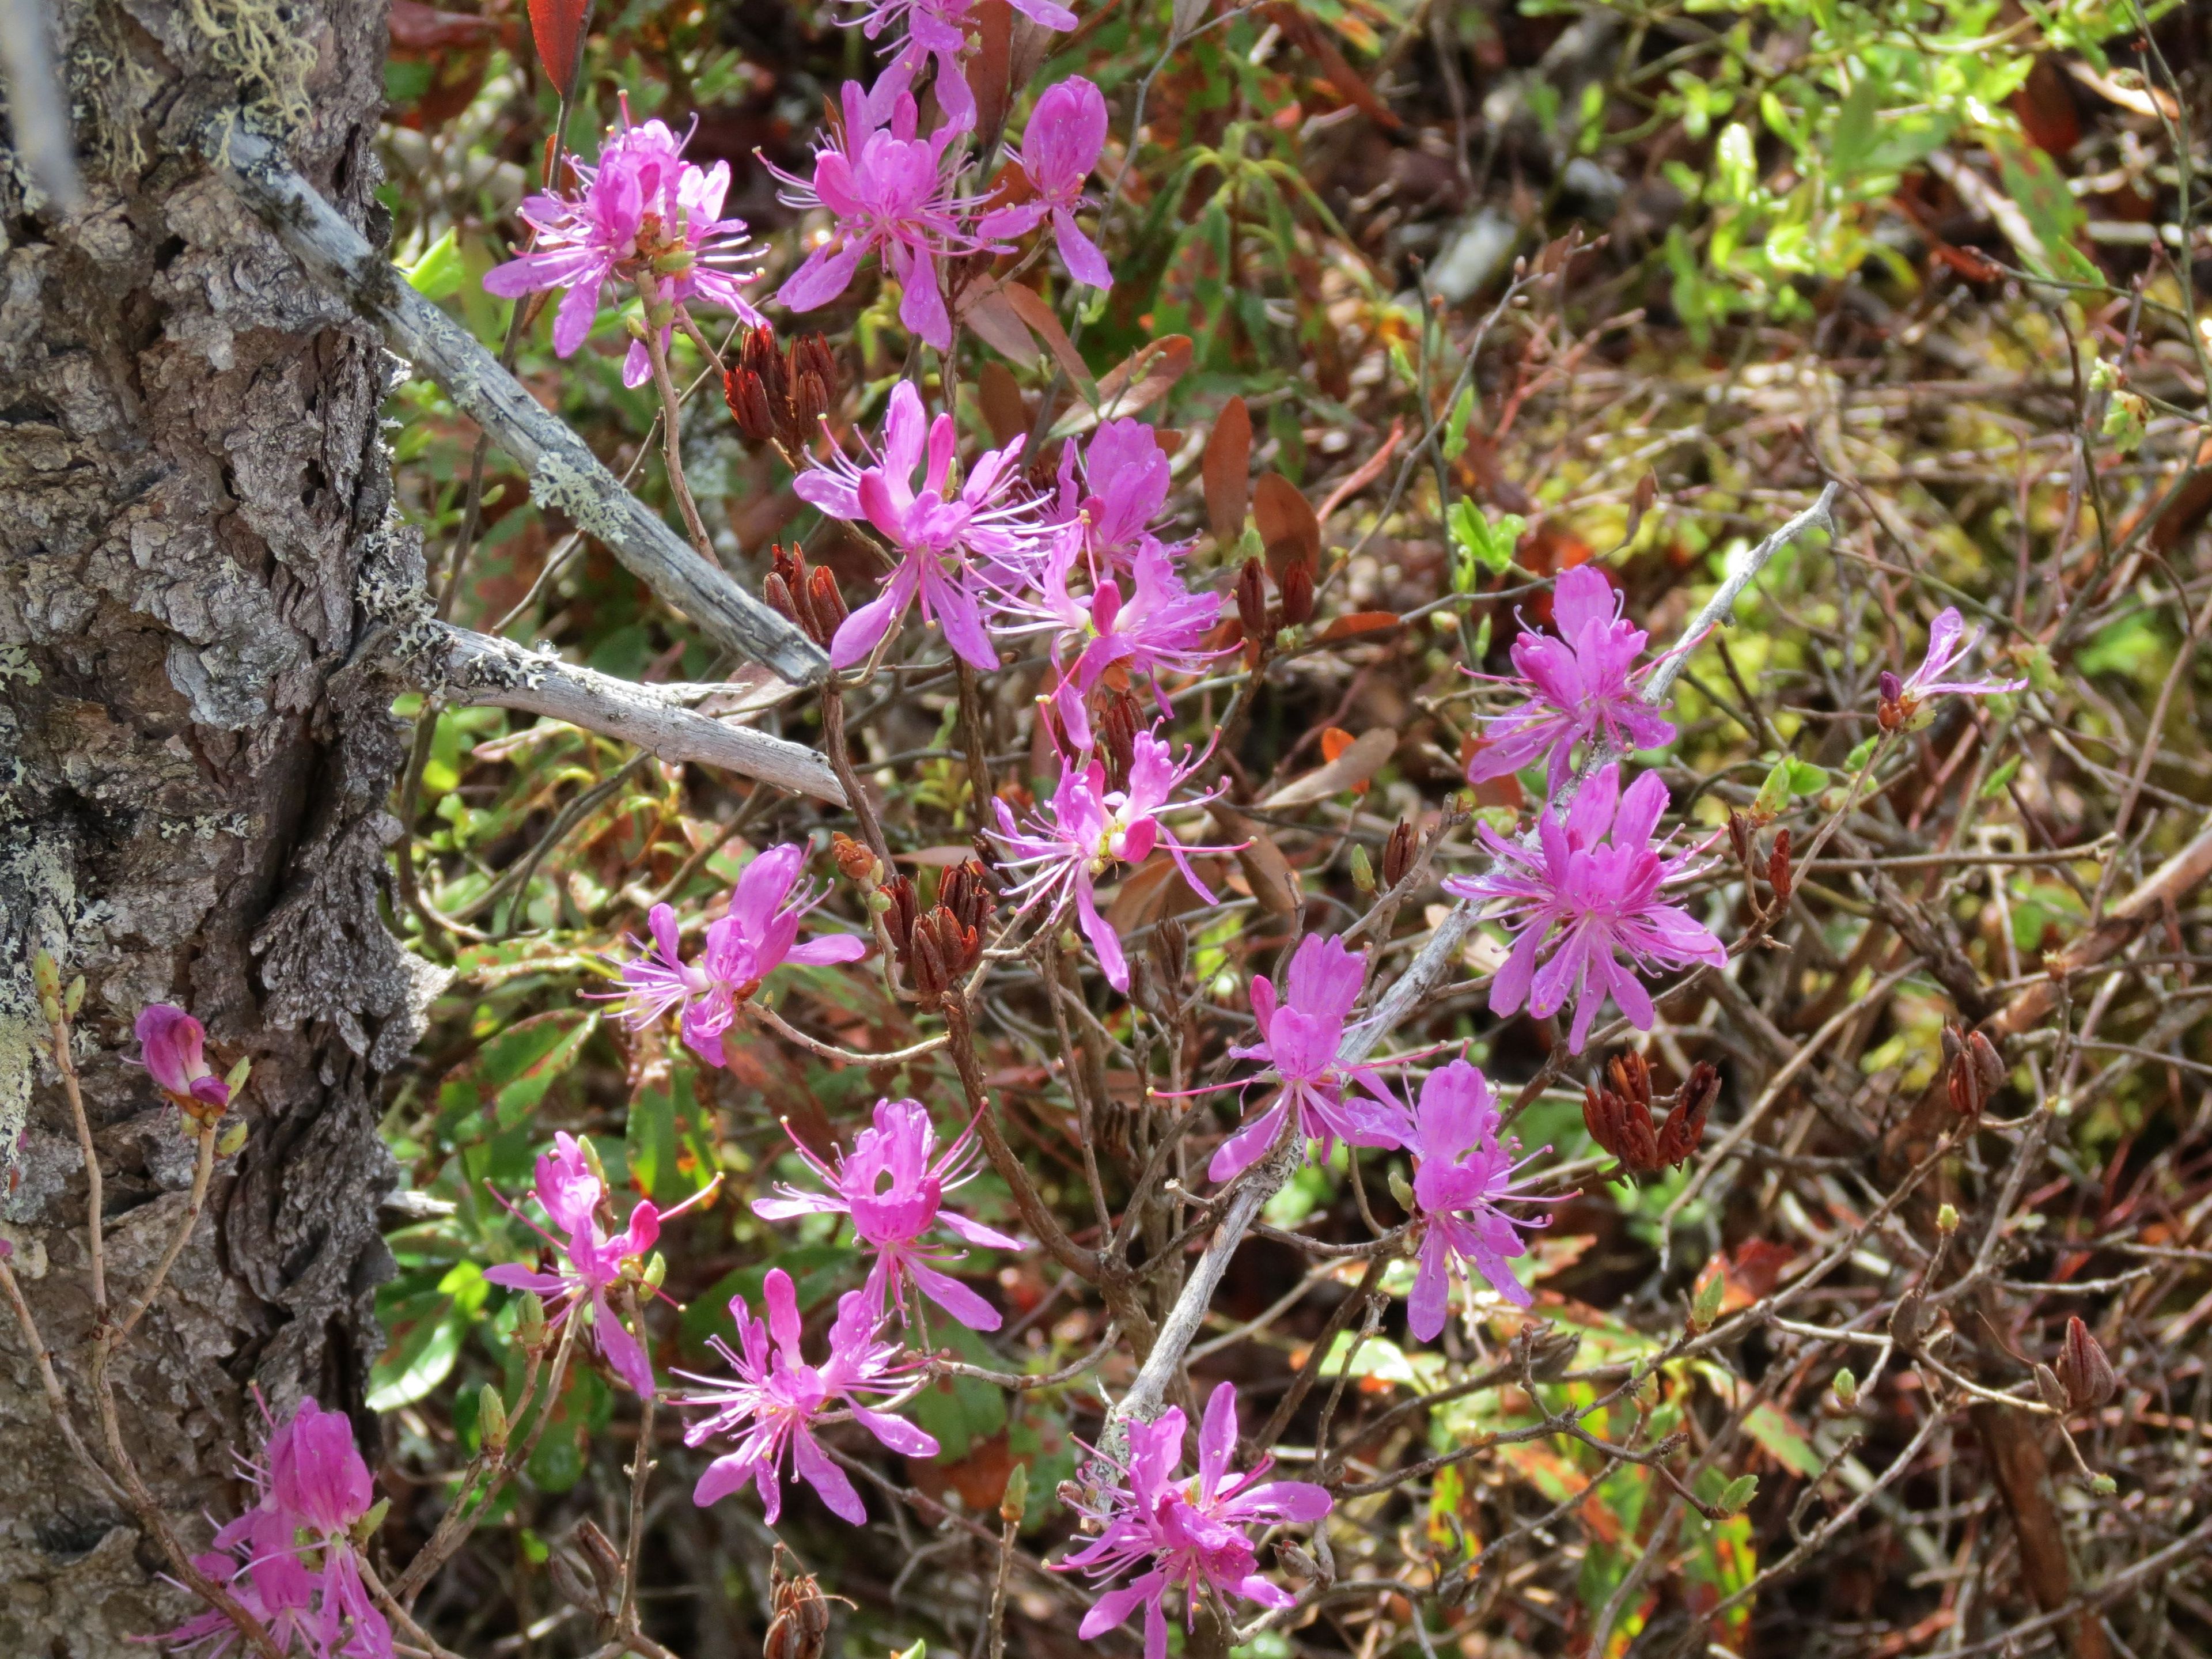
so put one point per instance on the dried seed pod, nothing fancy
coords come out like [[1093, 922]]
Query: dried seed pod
[[1686, 1121], [777, 592], [1170, 952], [1632, 1077], [750, 404], [1621, 1126], [899, 920], [2084, 1370], [1252, 610], [1964, 1082], [1117, 737], [2053, 1393], [571, 1585], [800, 1622], [1551, 1350], [1987, 1065], [1909, 1319], [1398, 853], [1739, 832], [826, 602], [926, 963], [1777, 868], [604, 1561], [1298, 586]]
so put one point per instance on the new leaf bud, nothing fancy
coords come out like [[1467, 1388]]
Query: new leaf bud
[[1016, 1502], [1946, 1219], [1403, 1190], [530, 1321], [371, 1522], [1363, 869], [1846, 1386], [227, 1142], [1706, 1304], [1738, 1493], [73, 999], [491, 1417]]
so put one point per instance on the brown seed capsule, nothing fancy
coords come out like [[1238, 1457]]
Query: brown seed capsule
[[760, 352], [750, 404], [1170, 952], [1988, 1068], [926, 964], [1398, 853], [1685, 1122], [800, 1622], [899, 920], [826, 602], [1619, 1118], [777, 592], [1964, 1081], [1117, 735], [1552, 1349], [2052, 1391], [1252, 610], [1777, 868], [1909, 1319], [2083, 1370], [1298, 586], [1739, 832]]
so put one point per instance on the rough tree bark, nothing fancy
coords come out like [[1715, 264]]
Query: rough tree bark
[[193, 802]]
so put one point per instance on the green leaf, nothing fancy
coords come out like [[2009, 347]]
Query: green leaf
[[1855, 763], [1790, 1444], [1999, 779], [1483, 546], [1855, 130], [1456, 427], [1738, 1492], [1774, 794], [424, 1360], [437, 274], [1806, 779]]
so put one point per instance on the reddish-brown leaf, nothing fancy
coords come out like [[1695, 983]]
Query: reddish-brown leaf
[[1303, 32], [1134, 384], [557, 27], [1029, 305], [1274, 884], [988, 68], [985, 306], [416, 27], [1228, 471], [2046, 107], [1359, 623], [1350, 765], [1289, 530], [1003, 409]]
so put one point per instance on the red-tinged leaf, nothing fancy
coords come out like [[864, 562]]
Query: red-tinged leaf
[[1306, 34], [2045, 106], [984, 306], [1004, 412], [1370, 471], [557, 27], [1351, 767], [1029, 305], [1227, 469], [988, 70], [1334, 740], [1132, 386], [1273, 883], [1359, 623], [417, 28], [1289, 530]]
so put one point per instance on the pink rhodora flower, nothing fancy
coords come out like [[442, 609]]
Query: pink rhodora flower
[[170, 1039], [1581, 686], [1601, 899], [937, 28], [1066, 131], [1114, 491], [1194, 1533], [290, 1559], [642, 208], [1945, 647], [588, 1263], [1300, 1034], [953, 548], [892, 196], [1088, 828], [758, 934], [777, 1400], [894, 1193], [1160, 626], [1461, 1175]]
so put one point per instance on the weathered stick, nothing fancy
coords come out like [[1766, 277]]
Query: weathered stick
[[564, 473], [1148, 1393], [480, 669]]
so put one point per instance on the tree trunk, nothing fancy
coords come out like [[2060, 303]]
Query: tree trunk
[[191, 484]]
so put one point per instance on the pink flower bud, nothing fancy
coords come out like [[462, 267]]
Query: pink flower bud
[[170, 1039]]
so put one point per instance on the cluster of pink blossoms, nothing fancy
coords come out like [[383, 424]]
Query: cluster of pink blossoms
[[1193, 1533], [292, 1560], [643, 211]]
